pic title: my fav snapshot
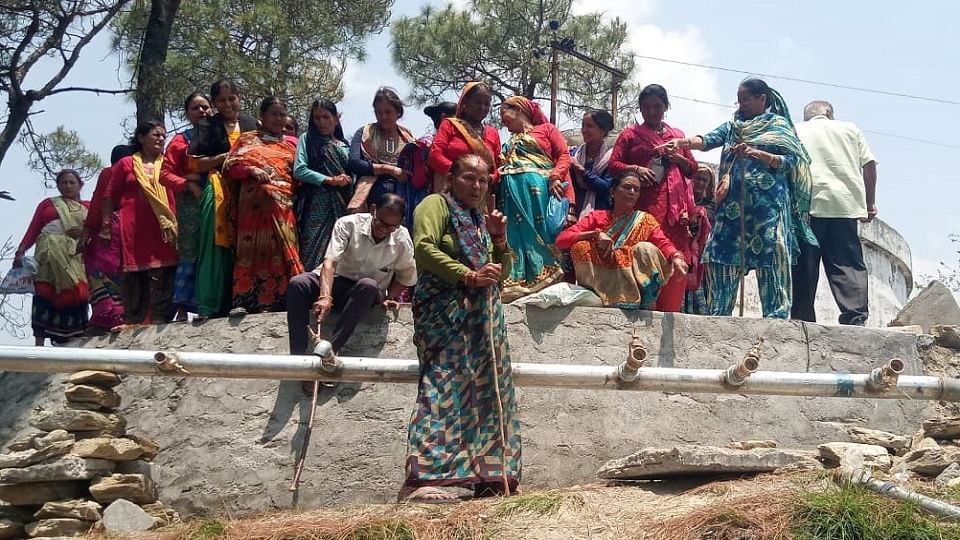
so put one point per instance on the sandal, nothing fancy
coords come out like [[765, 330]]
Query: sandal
[[430, 495]]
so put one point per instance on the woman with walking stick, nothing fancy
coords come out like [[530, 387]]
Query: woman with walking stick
[[464, 431]]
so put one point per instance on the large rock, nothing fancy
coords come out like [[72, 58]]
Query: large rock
[[897, 443], [10, 530], [165, 514], [74, 509], [24, 442], [74, 420], [58, 527], [950, 473], [133, 487], [149, 446], [103, 379], [946, 336], [699, 460], [927, 461], [124, 516], [942, 428], [933, 306], [60, 469], [41, 492], [55, 436], [113, 449], [92, 395], [855, 456], [29, 457]]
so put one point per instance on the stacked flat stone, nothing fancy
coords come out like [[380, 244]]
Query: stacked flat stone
[[81, 471]]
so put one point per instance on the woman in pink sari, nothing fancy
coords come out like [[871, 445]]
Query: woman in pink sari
[[666, 193]]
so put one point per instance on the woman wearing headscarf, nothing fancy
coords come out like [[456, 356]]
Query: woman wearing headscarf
[[177, 161], [465, 133], [267, 255], [215, 136], [667, 193], [375, 152], [325, 185], [60, 300], [459, 436], [763, 201], [534, 168]]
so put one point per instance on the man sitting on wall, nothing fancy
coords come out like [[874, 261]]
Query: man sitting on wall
[[369, 261]]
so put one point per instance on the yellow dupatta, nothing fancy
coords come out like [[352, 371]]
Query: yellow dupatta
[[156, 195]]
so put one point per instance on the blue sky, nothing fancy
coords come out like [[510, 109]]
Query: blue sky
[[865, 44]]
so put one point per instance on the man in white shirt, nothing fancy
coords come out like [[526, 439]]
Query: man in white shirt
[[844, 192], [369, 261]]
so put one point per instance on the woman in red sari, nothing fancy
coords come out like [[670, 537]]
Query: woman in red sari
[[666, 192], [267, 253], [465, 133]]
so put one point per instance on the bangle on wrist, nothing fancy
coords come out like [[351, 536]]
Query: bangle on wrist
[[327, 296]]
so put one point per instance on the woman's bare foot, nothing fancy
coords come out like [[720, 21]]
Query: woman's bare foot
[[430, 495]]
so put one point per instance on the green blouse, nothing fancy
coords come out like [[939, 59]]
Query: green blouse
[[435, 243]]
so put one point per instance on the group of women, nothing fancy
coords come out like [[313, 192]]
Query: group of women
[[236, 206]]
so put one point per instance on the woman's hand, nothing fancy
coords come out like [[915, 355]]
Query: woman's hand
[[496, 223], [577, 166], [401, 175], [340, 180], [556, 186], [723, 187], [260, 175], [677, 158], [678, 265], [488, 274], [604, 244], [195, 189], [672, 146], [646, 176]]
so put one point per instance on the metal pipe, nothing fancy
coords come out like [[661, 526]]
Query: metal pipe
[[385, 370], [887, 374], [737, 374], [889, 489], [628, 371]]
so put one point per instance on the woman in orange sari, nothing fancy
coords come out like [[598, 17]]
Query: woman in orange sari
[[621, 254], [267, 255], [465, 133]]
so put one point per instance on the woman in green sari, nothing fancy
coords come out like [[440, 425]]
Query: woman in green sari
[[466, 409], [61, 297]]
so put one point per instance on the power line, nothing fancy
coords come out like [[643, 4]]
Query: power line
[[882, 134], [806, 81]]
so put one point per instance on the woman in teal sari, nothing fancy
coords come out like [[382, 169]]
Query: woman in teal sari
[[459, 436], [765, 182], [534, 169]]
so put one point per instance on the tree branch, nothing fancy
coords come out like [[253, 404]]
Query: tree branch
[[97, 91]]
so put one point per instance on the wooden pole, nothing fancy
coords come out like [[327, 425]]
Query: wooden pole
[[554, 84]]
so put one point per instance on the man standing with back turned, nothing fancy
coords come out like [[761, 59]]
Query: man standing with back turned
[[844, 191]]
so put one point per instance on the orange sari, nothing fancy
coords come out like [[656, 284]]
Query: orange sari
[[267, 253]]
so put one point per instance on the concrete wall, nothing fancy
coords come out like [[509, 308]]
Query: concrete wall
[[229, 445]]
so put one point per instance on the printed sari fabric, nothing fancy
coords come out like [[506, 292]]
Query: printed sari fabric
[[318, 207], [454, 437], [178, 162], [632, 277], [102, 262], [267, 249], [60, 302], [524, 196]]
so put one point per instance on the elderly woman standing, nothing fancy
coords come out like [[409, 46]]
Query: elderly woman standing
[[666, 194], [465, 133], [763, 201], [460, 334], [61, 297], [535, 164], [267, 253], [375, 150]]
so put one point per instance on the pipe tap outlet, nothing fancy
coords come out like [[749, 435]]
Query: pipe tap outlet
[[628, 371], [885, 376], [328, 358], [737, 374]]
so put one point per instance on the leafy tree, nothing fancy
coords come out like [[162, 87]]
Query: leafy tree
[[44, 36], [58, 150], [948, 273], [438, 51], [297, 49]]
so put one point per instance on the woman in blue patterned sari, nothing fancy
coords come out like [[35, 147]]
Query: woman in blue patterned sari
[[466, 407], [764, 191]]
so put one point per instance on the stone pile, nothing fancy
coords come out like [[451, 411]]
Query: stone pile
[[81, 470]]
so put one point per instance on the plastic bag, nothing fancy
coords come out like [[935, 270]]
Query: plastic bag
[[19, 280], [556, 215], [560, 294]]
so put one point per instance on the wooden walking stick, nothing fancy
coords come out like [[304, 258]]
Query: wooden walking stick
[[496, 388], [305, 444]]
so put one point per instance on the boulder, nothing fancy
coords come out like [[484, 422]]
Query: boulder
[[165, 514], [124, 516], [150, 447], [855, 456], [106, 448], [933, 306], [58, 527], [950, 473], [897, 443], [74, 420], [74, 509], [10, 530], [926, 461], [92, 395], [750, 445], [946, 336], [41, 492], [133, 487], [942, 428], [29, 457], [55, 436], [103, 379], [83, 435], [684, 460], [24, 442], [62, 468]]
